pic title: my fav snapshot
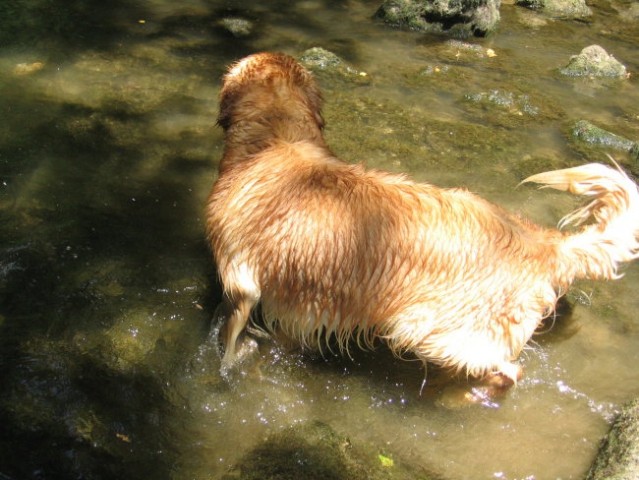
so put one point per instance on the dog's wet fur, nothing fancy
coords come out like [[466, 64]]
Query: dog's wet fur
[[334, 251]]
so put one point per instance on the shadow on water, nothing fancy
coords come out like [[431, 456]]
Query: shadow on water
[[208, 33], [75, 25], [92, 422], [102, 236], [83, 249]]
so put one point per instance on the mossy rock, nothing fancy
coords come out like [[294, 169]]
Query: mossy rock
[[568, 9], [618, 457], [594, 61], [329, 66], [589, 133], [460, 18], [314, 451]]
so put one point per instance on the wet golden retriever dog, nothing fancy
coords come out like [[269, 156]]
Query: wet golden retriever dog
[[337, 252]]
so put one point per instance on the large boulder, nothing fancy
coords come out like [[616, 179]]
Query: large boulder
[[460, 18]]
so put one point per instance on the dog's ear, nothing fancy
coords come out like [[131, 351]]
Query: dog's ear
[[224, 117], [228, 98]]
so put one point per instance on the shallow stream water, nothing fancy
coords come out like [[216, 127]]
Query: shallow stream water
[[108, 148]]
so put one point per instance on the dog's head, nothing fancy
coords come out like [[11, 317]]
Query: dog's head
[[269, 88]]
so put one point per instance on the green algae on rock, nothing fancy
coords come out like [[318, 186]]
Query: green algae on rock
[[618, 457], [318, 57], [519, 104], [589, 133], [326, 63]]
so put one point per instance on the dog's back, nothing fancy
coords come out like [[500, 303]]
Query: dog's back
[[333, 250]]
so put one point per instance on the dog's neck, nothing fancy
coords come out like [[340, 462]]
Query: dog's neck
[[249, 136]]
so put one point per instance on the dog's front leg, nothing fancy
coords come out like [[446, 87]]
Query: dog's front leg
[[228, 331]]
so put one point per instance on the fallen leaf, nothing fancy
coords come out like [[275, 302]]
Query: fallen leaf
[[386, 461]]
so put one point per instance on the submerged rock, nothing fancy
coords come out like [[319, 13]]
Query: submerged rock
[[236, 26], [618, 457], [516, 104], [27, 68], [594, 61], [320, 60], [314, 451], [569, 9], [589, 133], [460, 17], [510, 109]]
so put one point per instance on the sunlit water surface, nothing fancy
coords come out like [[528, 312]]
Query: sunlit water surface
[[108, 147]]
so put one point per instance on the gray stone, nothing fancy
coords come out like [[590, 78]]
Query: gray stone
[[594, 61]]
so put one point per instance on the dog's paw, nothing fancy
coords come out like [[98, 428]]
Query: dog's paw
[[244, 359], [456, 397], [486, 391]]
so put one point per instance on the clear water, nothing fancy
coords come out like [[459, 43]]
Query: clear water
[[108, 147]]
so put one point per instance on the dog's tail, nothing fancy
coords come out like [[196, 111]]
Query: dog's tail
[[609, 223]]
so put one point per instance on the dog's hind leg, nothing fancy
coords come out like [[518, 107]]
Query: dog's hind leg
[[228, 331]]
